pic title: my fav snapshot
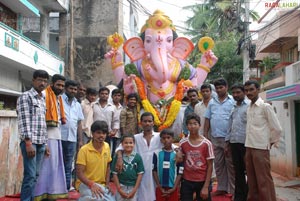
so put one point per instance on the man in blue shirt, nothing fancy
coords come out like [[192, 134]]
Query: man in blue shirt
[[217, 119], [236, 140], [72, 130], [192, 94]]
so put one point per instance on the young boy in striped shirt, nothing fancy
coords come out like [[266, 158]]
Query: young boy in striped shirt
[[166, 173]]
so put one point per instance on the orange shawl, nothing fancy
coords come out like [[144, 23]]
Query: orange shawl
[[51, 113]]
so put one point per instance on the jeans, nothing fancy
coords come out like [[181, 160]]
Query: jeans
[[86, 194], [31, 170], [69, 149]]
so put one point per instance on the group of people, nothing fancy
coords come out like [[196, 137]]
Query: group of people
[[64, 124]]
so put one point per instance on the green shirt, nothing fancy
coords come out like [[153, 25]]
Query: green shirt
[[132, 166]]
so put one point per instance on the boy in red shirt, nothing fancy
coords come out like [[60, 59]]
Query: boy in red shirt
[[198, 158]]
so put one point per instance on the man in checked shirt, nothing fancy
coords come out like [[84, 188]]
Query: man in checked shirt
[[31, 109]]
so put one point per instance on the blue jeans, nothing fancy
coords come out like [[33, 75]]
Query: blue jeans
[[86, 194], [31, 170], [69, 149]]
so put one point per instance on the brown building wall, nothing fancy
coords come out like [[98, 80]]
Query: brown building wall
[[93, 21]]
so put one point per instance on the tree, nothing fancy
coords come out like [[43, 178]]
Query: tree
[[223, 21]]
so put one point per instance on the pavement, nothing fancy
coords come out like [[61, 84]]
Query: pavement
[[287, 189]]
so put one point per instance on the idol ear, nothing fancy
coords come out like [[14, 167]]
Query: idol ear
[[182, 48], [134, 48]]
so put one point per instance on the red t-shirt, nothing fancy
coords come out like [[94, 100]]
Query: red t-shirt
[[195, 159]]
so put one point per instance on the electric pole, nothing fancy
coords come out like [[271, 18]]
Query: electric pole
[[246, 60]]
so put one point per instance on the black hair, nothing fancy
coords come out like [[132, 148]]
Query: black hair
[[249, 82], [147, 114], [127, 136], [41, 74], [132, 95], [71, 83], [99, 126], [116, 91], [57, 77], [192, 116], [91, 91], [205, 86], [104, 89], [192, 90], [167, 131], [220, 82], [238, 86]]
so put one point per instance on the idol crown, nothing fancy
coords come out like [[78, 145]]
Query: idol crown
[[158, 21]]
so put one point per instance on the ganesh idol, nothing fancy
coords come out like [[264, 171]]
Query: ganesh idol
[[159, 71]]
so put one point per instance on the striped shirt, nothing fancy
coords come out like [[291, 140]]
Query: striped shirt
[[31, 111], [165, 165]]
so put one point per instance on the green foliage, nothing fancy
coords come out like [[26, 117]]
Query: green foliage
[[222, 20], [229, 65]]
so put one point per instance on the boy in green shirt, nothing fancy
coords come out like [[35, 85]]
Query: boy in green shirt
[[128, 181]]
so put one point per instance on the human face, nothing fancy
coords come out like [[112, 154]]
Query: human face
[[252, 92], [238, 95], [91, 97], [147, 123], [193, 96], [128, 144], [58, 87], [39, 84], [71, 91], [99, 136], [131, 102], [221, 90], [81, 91], [103, 95], [206, 93], [117, 98], [167, 141], [193, 126]]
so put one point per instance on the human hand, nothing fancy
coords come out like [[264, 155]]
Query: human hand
[[96, 191], [179, 156], [204, 193], [29, 149], [119, 164], [47, 151]]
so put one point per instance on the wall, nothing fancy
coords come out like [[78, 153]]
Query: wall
[[11, 164], [101, 19]]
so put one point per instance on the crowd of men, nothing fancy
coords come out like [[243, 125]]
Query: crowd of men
[[56, 120]]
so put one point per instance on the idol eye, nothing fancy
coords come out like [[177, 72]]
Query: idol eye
[[148, 40]]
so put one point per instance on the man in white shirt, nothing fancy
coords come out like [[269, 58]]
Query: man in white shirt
[[200, 108], [87, 110], [105, 111], [262, 131]]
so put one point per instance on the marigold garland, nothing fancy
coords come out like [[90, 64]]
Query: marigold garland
[[172, 111]]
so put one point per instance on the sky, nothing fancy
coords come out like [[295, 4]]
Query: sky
[[174, 9]]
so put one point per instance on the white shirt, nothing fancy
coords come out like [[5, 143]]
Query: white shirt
[[107, 114], [263, 127], [87, 110], [118, 110], [200, 109]]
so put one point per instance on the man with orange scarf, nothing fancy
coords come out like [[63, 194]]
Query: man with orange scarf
[[48, 186]]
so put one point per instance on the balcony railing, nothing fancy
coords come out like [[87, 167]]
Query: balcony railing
[[27, 53]]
